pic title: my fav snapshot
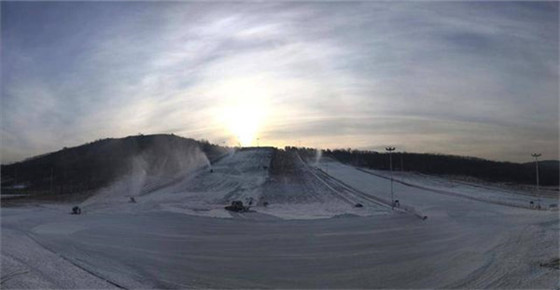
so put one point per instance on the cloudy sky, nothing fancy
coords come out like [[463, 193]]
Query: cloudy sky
[[477, 79]]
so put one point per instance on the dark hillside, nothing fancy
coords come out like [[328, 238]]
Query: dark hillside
[[97, 164]]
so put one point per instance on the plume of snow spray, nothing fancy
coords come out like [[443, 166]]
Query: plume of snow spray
[[128, 185], [151, 170], [318, 154]]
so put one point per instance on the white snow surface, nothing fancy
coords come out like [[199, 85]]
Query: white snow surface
[[426, 192], [178, 235], [239, 176]]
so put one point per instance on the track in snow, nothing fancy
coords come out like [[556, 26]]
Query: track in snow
[[348, 192]]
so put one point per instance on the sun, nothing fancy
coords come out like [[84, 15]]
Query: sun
[[245, 108], [245, 124]]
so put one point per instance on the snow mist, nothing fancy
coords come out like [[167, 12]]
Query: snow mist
[[152, 169], [318, 154]]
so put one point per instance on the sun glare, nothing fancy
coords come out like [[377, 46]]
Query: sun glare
[[245, 109], [245, 124]]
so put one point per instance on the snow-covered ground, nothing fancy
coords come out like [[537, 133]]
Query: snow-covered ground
[[310, 236], [298, 193], [423, 192]]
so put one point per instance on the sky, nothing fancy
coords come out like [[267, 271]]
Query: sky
[[477, 79]]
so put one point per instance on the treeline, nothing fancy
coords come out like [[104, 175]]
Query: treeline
[[493, 171], [97, 164]]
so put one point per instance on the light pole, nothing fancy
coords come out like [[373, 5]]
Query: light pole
[[258, 142], [390, 150], [536, 156], [52, 173]]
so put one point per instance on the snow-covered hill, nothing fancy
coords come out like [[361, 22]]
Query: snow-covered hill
[[178, 235]]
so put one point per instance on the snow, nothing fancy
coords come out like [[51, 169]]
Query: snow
[[424, 193], [239, 176], [177, 234], [28, 265], [316, 210], [468, 190]]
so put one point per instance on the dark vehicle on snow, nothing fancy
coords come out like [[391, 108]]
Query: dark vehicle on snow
[[237, 206], [76, 210]]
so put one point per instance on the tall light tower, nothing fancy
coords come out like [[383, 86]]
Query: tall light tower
[[52, 178], [390, 150], [536, 156]]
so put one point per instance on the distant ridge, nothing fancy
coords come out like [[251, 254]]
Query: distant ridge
[[96, 164]]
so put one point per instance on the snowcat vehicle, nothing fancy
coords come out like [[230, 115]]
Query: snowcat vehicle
[[237, 206]]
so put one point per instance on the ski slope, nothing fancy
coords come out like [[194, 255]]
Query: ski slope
[[295, 192], [310, 236], [429, 195]]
